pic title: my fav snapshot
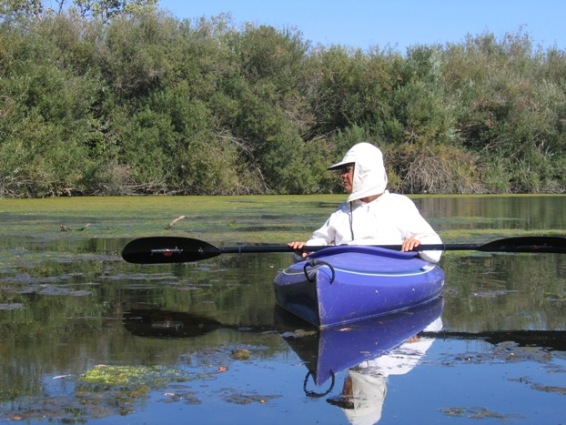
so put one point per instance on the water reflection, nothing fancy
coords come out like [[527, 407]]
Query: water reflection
[[365, 387], [370, 351], [494, 213], [168, 324], [174, 324], [545, 340]]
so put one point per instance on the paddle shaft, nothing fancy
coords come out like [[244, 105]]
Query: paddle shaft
[[425, 247], [177, 249]]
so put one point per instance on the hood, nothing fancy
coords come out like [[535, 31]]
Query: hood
[[370, 177]]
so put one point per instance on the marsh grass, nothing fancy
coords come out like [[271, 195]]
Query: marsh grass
[[216, 219], [254, 219]]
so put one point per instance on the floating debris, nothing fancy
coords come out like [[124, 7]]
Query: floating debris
[[65, 228], [63, 376], [299, 333], [170, 225], [476, 413], [221, 369], [188, 397], [236, 397], [550, 389], [493, 294]]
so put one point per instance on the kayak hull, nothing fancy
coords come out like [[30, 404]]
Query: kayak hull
[[347, 283]]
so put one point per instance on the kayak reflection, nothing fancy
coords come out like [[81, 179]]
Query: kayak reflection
[[370, 351], [334, 349]]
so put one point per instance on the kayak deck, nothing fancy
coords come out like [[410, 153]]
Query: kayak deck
[[346, 283]]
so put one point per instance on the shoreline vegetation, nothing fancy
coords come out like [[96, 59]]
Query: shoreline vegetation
[[257, 219], [132, 101]]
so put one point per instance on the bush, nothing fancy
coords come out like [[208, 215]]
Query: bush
[[138, 102]]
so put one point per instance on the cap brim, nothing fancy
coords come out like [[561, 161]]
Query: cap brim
[[339, 165]]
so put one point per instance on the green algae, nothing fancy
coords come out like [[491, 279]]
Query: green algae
[[150, 376]]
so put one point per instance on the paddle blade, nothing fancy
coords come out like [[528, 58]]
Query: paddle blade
[[167, 249], [546, 244]]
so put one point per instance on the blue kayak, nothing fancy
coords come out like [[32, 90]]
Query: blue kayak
[[347, 283]]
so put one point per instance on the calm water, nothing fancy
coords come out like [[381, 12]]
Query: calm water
[[86, 337]]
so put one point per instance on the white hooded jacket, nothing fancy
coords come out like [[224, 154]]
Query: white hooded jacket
[[387, 220]]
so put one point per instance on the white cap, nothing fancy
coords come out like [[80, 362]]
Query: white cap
[[370, 177]]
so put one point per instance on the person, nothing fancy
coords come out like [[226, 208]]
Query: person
[[371, 214]]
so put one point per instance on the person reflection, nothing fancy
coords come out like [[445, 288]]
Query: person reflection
[[365, 387]]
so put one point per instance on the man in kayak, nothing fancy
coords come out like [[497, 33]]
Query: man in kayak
[[371, 214]]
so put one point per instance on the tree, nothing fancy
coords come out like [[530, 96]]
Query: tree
[[10, 8], [103, 10]]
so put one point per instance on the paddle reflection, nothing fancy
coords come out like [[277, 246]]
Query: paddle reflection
[[370, 351], [167, 324]]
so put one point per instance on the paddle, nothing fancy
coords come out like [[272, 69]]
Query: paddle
[[177, 249]]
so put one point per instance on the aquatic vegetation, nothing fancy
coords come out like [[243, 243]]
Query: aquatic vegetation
[[558, 298], [150, 376], [476, 413], [222, 218], [236, 397], [240, 354]]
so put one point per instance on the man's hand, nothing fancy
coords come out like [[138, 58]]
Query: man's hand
[[298, 247], [410, 244]]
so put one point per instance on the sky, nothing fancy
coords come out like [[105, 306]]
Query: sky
[[396, 24]]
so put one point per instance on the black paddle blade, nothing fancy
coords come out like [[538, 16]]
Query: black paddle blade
[[532, 244], [167, 249]]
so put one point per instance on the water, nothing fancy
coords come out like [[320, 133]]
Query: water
[[86, 337]]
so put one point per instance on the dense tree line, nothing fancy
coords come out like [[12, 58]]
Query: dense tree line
[[136, 101]]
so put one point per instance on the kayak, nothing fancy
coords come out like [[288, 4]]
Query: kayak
[[346, 283]]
